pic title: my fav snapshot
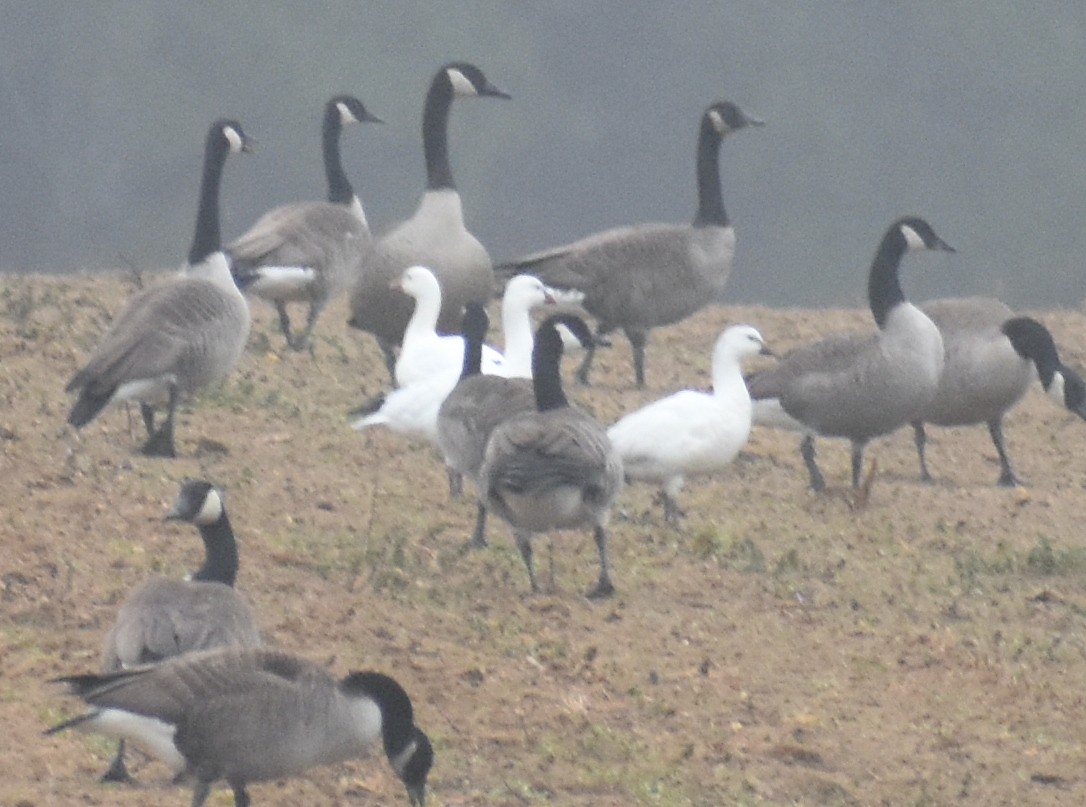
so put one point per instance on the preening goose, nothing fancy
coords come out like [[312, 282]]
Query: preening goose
[[640, 277], [309, 251], [434, 236], [253, 715], [860, 386], [553, 468], [691, 433], [992, 357], [165, 617], [474, 407], [177, 338]]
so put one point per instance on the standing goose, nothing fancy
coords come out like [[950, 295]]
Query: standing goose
[[177, 338], [435, 235], [310, 250], [860, 386], [253, 715], [475, 406], [165, 617], [691, 432], [522, 294], [553, 468], [640, 277], [991, 360]]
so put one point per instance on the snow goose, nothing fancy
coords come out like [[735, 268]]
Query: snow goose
[[165, 617], [640, 277], [177, 338], [308, 251], [691, 432], [992, 358], [435, 235], [553, 468], [253, 715], [860, 386]]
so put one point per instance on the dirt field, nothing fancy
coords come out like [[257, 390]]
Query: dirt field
[[780, 648]]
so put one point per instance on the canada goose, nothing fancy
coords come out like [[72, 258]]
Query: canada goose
[[165, 617], [860, 386], [177, 338], [310, 250], [425, 353], [992, 358], [640, 277], [553, 468], [252, 715], [473, 408], [691, 432], [435, 235]]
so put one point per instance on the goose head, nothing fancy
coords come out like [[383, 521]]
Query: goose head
[[465, 80], [348, 109], [724, 117], [525, 292], [418, 282], [739, 342], [198, 502], [916, 234], [228, 133]]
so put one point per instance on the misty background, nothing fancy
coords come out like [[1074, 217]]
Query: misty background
[[970, 114]]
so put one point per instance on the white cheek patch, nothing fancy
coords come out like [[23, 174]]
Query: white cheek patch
[[345, 114], [233, 138], [460, 83], [912, 238], [717, 121], [211, 511], [1056, 389]]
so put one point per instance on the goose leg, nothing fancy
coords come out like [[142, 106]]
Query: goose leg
[[284, 323], [524, 544], [478, 536], [147, 412], [389, 351], [857, 463], [161, 443], [920, 437], [807, 451], [638, 339], [586, 364], [1007, 478], [241, 796], [304, 341], [200, 792], [117, 771], [603, 588], [456, 483]]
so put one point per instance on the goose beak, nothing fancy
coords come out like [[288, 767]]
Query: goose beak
[[248, 145], [753, 121], [942, 245], [765, 351], [369, 117], [396, 284], [491, 91], [417, 795]]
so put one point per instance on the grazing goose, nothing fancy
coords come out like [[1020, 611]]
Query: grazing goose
[[860, 386], [691, 432], [165, 617], [177, 338], [435, 235], [640, 277], [310, 250], [474, 407], [425, 353], [553, 468], [252, 715], [991, 360]]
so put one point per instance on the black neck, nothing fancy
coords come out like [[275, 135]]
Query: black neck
[[546, 370], [220, 553], [339, 187], [710, 198], [883, 285], [473, 356], [435, 133], [207, 239]]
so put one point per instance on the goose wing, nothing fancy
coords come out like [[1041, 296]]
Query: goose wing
[[311, 234]]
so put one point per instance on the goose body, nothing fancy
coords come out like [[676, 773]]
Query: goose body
[[434, 236], [640, 277], [310, 251], [253, 715], [861, 386], [553, 468], [691, 433], [992, 358], [175, 339], [166, 617]]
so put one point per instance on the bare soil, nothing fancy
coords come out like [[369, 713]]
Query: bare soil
[[779, 648]]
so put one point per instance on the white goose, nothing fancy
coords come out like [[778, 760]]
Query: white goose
[[691, 432]]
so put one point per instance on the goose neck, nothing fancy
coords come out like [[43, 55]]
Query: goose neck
[[207, 238], [884, 284], [427, 310], [220, 553], [435, 134], [517, 328], [710, 197], [546, 371], [339, 187], [473, 355]]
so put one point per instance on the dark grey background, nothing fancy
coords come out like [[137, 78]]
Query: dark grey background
[[970, 114]]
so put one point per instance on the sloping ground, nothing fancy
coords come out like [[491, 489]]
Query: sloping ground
[[780, 648]]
